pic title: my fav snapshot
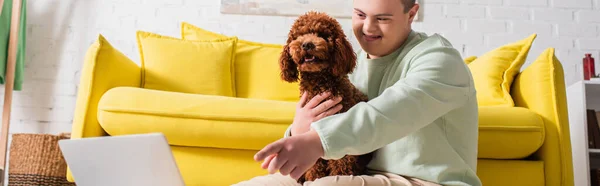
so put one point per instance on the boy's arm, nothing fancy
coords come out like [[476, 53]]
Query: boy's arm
[[437, 82]]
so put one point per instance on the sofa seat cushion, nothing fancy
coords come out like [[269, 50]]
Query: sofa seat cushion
[[195, 120], [509, 132]]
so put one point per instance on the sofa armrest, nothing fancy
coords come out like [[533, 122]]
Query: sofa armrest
[[541, 88], [104, 67]]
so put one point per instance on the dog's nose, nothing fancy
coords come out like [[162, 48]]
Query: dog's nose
[[308, 46]]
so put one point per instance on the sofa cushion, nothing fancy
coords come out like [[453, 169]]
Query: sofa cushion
[[256, 67], [494, 72], [470, 59], [509, 132], [193, 119], [199, 67]]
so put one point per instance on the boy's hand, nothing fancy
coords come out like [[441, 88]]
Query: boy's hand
[[313, 111], [293, 155]]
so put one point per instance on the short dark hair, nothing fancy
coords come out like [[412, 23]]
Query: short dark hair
[[408, 4]]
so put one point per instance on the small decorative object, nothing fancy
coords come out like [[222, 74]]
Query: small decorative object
[[589, 68], [36, 159]]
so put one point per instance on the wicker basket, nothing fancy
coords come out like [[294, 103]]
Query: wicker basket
[[35, 159]]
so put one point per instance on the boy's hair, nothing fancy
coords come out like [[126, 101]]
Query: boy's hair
[[408, 4]]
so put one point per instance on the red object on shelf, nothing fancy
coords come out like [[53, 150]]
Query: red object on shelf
[[589, 68]]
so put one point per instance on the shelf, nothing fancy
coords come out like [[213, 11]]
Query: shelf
[[588, 82], [594, 158], [594, 151]]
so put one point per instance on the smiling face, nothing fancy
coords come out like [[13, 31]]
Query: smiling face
[[381, 26]]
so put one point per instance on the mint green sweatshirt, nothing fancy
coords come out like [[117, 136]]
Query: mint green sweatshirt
[[421, 118]]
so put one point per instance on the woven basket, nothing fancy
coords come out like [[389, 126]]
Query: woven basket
[[35, 159]]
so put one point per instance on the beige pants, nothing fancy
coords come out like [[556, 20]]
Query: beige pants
[[376, 179]]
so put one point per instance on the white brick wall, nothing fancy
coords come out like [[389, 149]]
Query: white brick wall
[[511, 13], [581, 4], [589, 16], [465, 11], [485, 26], [60, 31], [553, 15], [528, 3]]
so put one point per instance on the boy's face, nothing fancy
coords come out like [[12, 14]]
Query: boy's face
[[381, 26]]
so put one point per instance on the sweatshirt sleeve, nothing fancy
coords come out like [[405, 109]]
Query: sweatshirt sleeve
[[437, 82]]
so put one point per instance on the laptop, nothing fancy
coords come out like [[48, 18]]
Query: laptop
[[128, 160]]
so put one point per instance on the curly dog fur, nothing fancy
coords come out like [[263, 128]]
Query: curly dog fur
[[318, 54]]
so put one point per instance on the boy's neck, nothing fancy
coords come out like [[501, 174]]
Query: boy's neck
[[369, 56]]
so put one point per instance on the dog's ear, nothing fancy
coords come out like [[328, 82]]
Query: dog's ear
[[289, 69], [344, 57]]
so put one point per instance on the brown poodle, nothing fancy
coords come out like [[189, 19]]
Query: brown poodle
[[318, 51]]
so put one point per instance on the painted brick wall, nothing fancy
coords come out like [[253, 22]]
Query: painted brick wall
[[60, 31]]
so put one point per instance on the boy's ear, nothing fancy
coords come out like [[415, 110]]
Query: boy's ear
[[412, 13]]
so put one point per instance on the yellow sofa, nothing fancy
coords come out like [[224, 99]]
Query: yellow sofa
[[214, 136]]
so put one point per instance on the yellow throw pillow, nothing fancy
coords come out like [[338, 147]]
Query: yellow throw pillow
[[256, 67], [470, 59], [494, 72], [198, 67]]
